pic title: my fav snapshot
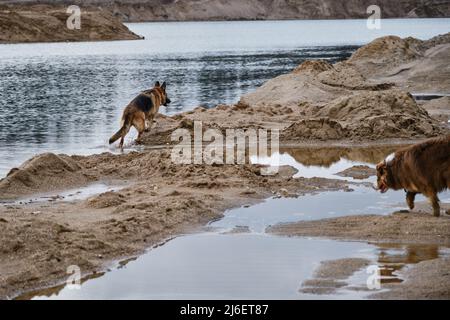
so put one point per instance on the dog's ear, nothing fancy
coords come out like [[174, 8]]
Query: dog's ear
[[163, 85], [157, 84], [381, 167]]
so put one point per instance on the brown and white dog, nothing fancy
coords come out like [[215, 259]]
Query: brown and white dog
[[421, 168], [140, 112]]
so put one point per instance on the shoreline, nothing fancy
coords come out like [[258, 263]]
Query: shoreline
[[287, 19]]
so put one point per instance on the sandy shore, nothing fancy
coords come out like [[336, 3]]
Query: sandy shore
[[399, 227]]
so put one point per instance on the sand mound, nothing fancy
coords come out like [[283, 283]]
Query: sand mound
[[438, 109], [106, 200], [46, 23], [313, 66], [41, 173], [386, 51], [413, 64], [316, 82], [367, 115], [358, 172]]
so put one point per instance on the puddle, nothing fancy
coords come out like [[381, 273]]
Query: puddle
[[331, 204], [214, 266], [240, 266], [429, 96], [235, 259], [68, 195], [326, 162]]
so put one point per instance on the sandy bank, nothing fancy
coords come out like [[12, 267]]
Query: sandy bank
[[39, 240], [47, 23], [410, 227]]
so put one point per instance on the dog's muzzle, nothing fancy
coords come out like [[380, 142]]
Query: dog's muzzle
[[382, 187], [167, 102]]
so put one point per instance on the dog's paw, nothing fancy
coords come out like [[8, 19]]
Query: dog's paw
[[410, 205]]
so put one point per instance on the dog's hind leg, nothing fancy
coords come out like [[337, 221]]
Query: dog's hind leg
[[124, 133], [410, 196], [121, 142], [148, 123]]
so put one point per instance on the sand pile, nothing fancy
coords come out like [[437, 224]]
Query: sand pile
[[415, 65], [365, 116], [47, 23], [316, 82], [386, 52], [357, 99], [438, 108], [42, 173]]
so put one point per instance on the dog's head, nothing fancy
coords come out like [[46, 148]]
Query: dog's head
[[384, 174], [162, 90]]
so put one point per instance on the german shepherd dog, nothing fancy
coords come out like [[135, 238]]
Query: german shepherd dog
[[140, 112], [421, 168]]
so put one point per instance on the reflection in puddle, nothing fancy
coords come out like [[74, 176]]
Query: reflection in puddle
[[393, 257], [326, 162], [428, 96], [70, 195]]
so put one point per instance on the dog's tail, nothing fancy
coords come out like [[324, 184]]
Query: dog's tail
[[126, 124]]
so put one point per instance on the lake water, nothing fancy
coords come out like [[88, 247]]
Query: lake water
[[68, 97]]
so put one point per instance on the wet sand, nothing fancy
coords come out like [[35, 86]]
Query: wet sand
[[39, 240], [400, 227]]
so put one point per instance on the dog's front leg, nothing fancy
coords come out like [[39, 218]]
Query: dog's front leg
[[410, 196], [434, 200], [148, 123]]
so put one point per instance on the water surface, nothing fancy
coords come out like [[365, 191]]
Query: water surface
[[68, 97]]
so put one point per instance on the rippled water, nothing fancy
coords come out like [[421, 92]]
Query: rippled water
[[68, 97]]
